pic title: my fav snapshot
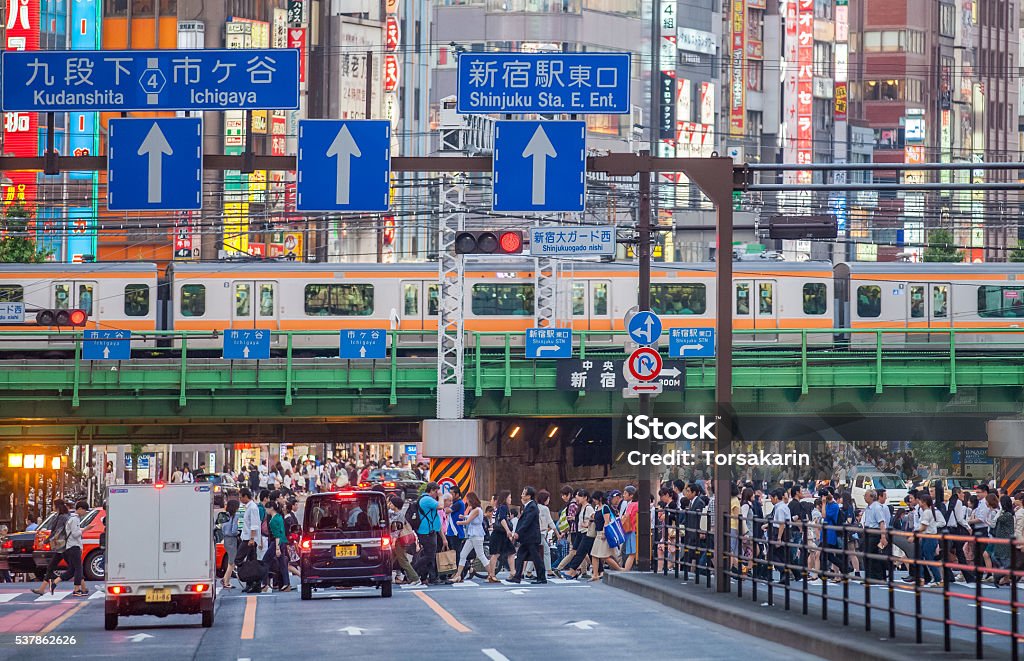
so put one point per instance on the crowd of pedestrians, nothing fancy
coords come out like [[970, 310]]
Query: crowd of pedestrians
[[260, 537]]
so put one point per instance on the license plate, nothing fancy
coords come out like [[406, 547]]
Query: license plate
[[347, 551], [158, 594]]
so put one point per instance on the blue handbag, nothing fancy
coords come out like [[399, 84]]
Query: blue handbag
[[613, 532]]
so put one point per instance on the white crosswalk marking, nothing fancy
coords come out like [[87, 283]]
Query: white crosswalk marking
[[56, 596], [96, 595], [4, 598]]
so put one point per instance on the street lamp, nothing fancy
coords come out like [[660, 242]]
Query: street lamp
[[14, 459]]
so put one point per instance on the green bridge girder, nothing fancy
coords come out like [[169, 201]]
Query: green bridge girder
[[792, 379]]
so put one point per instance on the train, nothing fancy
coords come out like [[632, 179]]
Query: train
[[916, 303]]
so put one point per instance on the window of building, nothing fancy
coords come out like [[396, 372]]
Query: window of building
[[947, 19], [822, 59], [1001, 302], [755, 75], [624, 7], [915, 41], [679, 299], [12, 294], [882, 90], [869, 301], [193, 300], [914, 90], [142, 8], [505, 300], [338, 300], [136, 300], [115, 8], [815, 298]]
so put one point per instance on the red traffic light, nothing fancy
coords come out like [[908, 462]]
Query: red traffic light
[[507, 242], [77, 317], [511, 242], [61, 317]]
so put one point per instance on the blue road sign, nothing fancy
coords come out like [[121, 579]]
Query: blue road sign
[[549, 343], [540, 166], [410, 449], [344, 165], [12, 313], [247, 344], [363, 343], [569, 241], [107, 345], [237, 79], [691, 342], [644, 327], [571, 83], [155, 164]]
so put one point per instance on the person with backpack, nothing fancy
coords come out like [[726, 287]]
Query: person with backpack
[[230, 531], [424, 519], [73, 551], [58, 542]]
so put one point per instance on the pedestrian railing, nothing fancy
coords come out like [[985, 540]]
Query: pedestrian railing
[[837, 566]]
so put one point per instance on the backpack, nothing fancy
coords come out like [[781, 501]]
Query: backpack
[[940, 518], [414, 515]]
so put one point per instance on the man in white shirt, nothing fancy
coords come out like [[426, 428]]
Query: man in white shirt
[[781, 517], [252, 536]]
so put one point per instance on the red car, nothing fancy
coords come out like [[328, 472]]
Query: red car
[[92, 553]]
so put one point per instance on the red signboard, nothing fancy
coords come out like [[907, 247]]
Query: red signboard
[[297, 39], [392, 38], [390, 73], [805, 87], [21, 129], [278, 139], [183, 236], [737, 106]]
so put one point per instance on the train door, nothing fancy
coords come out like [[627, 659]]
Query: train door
[[591, 308], [757, 307], [928, 307], [77, 294], [419, 310], [254, 305]]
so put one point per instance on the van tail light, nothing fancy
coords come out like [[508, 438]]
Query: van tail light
[[197, 587], [305, 545], [118, 589], [385, 542]]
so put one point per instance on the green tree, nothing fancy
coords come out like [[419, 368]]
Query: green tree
[[136, 451], [941, 249], [1018, 253], [16, 242]]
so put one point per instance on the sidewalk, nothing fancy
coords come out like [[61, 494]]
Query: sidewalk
[[807, 633]]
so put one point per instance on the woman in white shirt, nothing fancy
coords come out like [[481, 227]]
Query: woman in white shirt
[[473, 520], [927, 524]]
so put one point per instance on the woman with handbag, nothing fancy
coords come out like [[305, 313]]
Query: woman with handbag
[[402, 536], [473, 521], [58, 543], [501, 536], [601, 550]]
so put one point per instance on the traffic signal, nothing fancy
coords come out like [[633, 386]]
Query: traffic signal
[[61, 317], [503, 242]]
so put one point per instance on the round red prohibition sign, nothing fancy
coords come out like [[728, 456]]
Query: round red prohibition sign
[[645, 364]]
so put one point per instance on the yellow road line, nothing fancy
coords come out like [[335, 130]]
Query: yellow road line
[[448, 618], [249, 619], [65, 617]]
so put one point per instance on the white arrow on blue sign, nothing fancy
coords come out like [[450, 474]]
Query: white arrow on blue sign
[[368, 343], [106, 345], [691, 342], [548, 343], [246, 344], [155, 164], [539, 166], [644, 327], [344, 165]]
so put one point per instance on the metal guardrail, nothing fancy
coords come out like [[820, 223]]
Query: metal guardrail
[[807, 564]]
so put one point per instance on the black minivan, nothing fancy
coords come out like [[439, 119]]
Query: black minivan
[[346, 542]]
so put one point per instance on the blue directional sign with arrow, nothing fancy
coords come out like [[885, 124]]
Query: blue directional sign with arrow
[[368, 343], [107, 345], [246, 344], [344, 165], [540, 166], [691, 342], [644, 327], [548, 343], [155, 164]]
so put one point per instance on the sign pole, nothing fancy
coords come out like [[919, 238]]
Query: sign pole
[[644, 528]]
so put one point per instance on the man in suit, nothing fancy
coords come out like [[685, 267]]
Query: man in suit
[[527, 533]]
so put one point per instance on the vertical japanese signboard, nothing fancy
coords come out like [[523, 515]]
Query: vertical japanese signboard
[[805, 88], [738, 103]]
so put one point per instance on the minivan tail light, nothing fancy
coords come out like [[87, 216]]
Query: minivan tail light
[[118, 589], [197, 587], [305, 544], [385, 542]]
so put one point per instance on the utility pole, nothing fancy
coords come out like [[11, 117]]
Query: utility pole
[[644, 526]]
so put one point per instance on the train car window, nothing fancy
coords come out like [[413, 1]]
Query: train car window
[[815, 298], [764, 297], [266, 300], [432, 293], [869, 301], [579, 299], [999, 301], [12, 294], [679, 299], [61, 296], [193, 300], [242, 300], [136, 300], [940, 300], [917, 302], [331, 300], [85, 298], [411, 294], [600, 298], [502, 300], [743, 298]]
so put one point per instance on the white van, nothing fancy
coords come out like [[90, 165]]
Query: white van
[[895, 488]]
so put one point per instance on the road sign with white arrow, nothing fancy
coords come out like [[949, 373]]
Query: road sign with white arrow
[[691, 342], [539, 166], [106, 345], [343, 165], [548, 343], [246, 344], [155, 164], [368, 343], [644, 327]]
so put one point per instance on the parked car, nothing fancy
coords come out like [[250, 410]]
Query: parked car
[[224, 486], [16, 551], [398, 481]]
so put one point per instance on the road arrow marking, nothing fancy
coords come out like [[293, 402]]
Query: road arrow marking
[[139, 637], [519, 591], [353, 631], [583, 625], [540, 149], [362, 352], [672, 371], [344, 148], [245, 352], [155, 146]]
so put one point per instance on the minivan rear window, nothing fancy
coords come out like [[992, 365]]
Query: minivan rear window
[[346, 513]]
